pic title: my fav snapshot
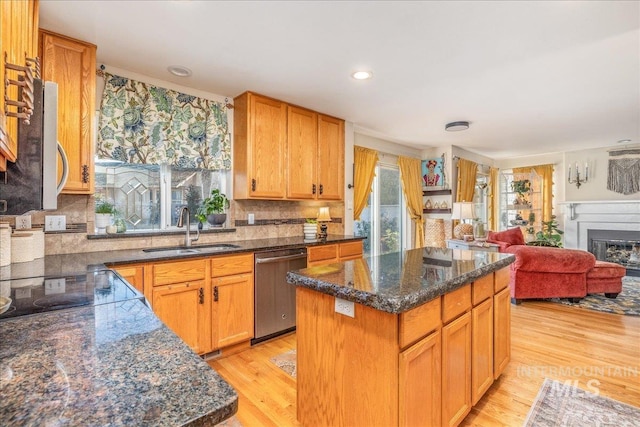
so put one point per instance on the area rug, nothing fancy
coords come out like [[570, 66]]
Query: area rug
[[562, 405], [627, 302], [230, 422], [286, 362]]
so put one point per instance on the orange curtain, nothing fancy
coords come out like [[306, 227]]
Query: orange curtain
[[364, 170], [494, 204], [411, 176], [467, 171], [545, 172]]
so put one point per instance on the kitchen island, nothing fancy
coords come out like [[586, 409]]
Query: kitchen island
[[424, 334], [110, 363]]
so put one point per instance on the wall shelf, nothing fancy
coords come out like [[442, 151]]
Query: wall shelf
[[436, 192], [436, 211]]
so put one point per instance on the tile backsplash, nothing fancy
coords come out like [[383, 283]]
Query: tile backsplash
[[272, 219]]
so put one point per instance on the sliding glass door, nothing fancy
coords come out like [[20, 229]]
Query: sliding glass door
[[383, 220]]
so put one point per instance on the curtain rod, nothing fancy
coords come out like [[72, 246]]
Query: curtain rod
[[479, 164]]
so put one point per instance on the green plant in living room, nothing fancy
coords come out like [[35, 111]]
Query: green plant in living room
[[550, 235], [522, 188]]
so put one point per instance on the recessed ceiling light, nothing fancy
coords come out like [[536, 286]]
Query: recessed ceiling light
[[362, 75], [456, 126], [624, 141], [179, 70]]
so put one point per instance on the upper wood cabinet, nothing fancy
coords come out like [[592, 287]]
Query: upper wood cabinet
[[285, 152], [18, 40], [72, 65], [260, 129]]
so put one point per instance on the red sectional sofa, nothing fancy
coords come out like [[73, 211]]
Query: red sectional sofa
[[543, 272]]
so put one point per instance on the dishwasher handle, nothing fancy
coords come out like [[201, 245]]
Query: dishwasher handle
[[280, 258]]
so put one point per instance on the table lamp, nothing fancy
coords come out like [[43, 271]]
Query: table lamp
[[462, 211], [323, 218]]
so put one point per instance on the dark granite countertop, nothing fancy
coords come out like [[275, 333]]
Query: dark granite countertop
[[111, 364], [399, 281], [59, 265]]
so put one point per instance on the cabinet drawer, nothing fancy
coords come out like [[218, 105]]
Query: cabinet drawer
[[501, 279], [418, 322], [455, 303], [322, 253], [350, 249], [175, 272], [228, 265], [482, 289]]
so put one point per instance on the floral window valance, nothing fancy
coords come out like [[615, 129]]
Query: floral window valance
[[142, 123]]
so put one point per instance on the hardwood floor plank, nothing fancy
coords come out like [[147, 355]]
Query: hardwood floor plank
[[586, 348]]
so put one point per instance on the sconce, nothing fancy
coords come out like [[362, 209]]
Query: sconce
[[577, 180], [323, 218]]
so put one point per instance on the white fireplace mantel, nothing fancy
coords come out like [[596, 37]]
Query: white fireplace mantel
[[579, 217]]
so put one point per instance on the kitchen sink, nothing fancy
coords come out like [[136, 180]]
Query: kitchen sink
[[194, 249]]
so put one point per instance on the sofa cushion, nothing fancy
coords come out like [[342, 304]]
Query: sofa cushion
[[605, 270], [512, 236], [551, 260]]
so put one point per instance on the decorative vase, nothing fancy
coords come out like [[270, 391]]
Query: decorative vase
[[216, 220], [479, 230], [102, 221]]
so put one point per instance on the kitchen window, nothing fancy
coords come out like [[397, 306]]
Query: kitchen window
[[149, 197], [384, 220]]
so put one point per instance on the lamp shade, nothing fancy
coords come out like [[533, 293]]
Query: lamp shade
[[462, 210], [323, 215]]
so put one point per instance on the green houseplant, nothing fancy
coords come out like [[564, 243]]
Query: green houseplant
[[104, 214], [522, 187], [550, 235], [213, 209]]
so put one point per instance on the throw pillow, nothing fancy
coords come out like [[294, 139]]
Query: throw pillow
[[512, 236]]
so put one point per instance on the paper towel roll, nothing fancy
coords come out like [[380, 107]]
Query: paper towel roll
[[5, 244], [22, 247]]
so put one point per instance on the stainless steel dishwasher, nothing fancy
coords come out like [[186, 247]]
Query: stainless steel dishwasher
[[275, 299]]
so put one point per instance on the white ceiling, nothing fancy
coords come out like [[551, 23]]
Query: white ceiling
[[532, 77]]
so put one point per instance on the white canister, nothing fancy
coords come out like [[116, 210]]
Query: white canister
[[22, 247], [5, 244], [38, 242]]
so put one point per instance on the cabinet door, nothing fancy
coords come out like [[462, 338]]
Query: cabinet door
[[481, 349], [456, 370], [330, 158], [133, 274], [302, 142], [420, 383], [72, 65], [18, 36], [320, 255], [232, 309], [267, 146], [501, 331], [183, 308]]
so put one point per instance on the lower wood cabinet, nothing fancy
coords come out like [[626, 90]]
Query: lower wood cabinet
[[481, 349], [456, 370], [501, 331], [133, 274], [232, 310], [183, 307], [327, 254]]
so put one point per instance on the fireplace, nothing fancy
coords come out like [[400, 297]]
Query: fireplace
[[621, 247]]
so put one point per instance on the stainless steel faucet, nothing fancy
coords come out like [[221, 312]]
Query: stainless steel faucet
[[187, 237]]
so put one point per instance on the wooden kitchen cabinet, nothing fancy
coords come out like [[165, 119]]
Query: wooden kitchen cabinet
[[501, 331], [183, 307], [260, 143], [285, 152], [133, 274], [18, 38], [232, 303], [315, 151], [330, 253], [481, 349], [72, 65], [456, 370]]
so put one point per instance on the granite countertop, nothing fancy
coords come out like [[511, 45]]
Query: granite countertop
[[399, 281], [59, 265], [111, 364]]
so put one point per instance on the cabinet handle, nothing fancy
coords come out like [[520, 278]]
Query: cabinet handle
[[201, 295], [313, 189], [85, 174], [253, 185], [321, 189], [215, 293]]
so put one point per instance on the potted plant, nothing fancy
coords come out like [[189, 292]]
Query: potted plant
[[522, 188], [310, 228], [550, 235], [213, 209], [104, 214]]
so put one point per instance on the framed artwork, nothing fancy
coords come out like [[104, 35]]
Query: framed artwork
[[433, 174]]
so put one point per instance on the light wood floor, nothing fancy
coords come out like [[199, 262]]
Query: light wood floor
[[588, 348]]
